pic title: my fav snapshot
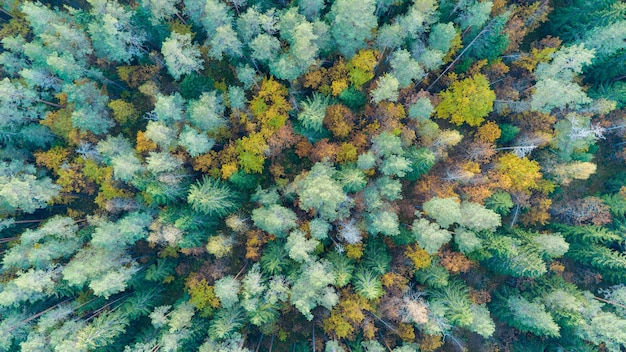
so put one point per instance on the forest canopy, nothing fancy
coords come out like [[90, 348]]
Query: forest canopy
[[312, 175]]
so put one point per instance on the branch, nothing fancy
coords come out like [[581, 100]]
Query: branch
[[610, 302], [459, 56]]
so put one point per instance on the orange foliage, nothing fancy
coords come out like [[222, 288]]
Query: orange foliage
[[303, 148], [477, 194], [322, 150], [284, 138], [144, 144], [538, 214], [339, 120], [314, 79], [204, 162], [479, 297], [455, 262], [255, 239], [432, 186]]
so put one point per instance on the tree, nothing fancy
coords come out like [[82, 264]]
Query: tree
[[312, 288], [313, 112], [299, 247], [405, 68], [181, 56], [476, 217], [446, 211], [160, 9], [274, 219], [206, 113], [318, 191], [90, 107], [466, 101], [20, 189], [195, 143], [227, 290], [211, 197], [430, 236], [349, 32], [113, 34], [225, 41], [531, 317], [441, 37], [555, 79], [41, 248], [386, 88]]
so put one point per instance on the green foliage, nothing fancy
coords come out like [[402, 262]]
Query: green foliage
[[181, 56], [367, 284], [531, 317], [500, 202], [211, 197], [349, 32], [446, 211], [274, 219], [313, 111]]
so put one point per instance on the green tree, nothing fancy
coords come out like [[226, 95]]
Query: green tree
[[211, 197], [349, 32], [181, 56]]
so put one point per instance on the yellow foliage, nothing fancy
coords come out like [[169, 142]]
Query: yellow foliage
[[71, 179], [530, 62], [391, 279], [406, 332], [250, 152], [430, 343], [181, 28], [522, 173], [123, 112], [538, 215], [457, 44], [270, 105], [144, 144], [467, 101], [361, 67], [53, 158], [354, 251], [488, 132], [60, 121], [346, 316], [314, 79], [346, 153], [228, 170], [419, 257], [202, 296]]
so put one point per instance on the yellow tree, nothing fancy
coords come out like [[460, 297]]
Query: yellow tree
[[522, 173], [466, 101]]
